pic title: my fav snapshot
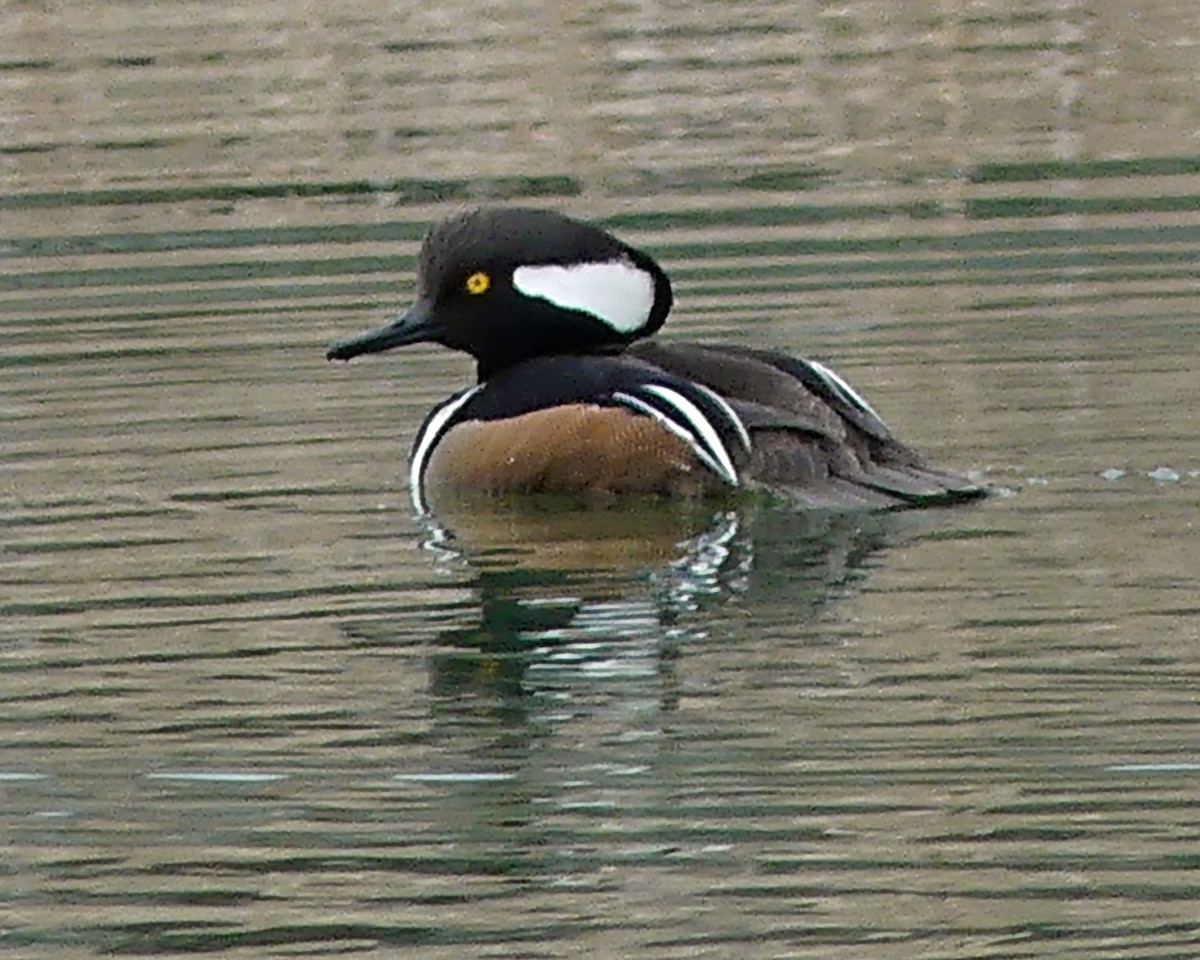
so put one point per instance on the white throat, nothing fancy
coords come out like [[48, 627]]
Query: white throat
[[613, 291]]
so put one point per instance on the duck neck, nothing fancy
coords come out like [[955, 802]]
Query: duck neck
[[487, 369]]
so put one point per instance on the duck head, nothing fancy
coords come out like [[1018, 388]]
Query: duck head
[[509, 284]]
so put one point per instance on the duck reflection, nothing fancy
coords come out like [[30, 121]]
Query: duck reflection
[[570, 598], [592, 673]]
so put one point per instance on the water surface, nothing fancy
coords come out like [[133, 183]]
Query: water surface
[[253, 706]]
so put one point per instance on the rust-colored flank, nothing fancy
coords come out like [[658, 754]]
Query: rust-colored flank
[[576, 448]]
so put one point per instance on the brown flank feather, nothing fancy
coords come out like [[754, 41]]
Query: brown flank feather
[[576, 448]]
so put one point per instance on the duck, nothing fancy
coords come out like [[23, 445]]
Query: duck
[[574, 393]]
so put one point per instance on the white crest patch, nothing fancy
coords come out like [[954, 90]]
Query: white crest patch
[[613, 291]]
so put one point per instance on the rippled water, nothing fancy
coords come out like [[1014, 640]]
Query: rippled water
[[253, 707]]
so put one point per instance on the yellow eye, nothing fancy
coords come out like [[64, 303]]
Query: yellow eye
[[478, 283]]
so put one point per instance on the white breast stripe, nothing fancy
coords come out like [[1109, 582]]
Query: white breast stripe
[[613, 291], [692, 427], [695, 418], [842, 388], [435, 424], [641, 406]]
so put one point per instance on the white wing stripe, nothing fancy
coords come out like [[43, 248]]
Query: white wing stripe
[[840, 386], [428, 439]]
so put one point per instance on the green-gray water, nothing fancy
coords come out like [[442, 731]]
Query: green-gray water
[[253, 707]]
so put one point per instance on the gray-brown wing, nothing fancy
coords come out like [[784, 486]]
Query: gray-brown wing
[[812, 433]]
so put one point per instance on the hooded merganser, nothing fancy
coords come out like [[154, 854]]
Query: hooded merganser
[[570, 397]]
